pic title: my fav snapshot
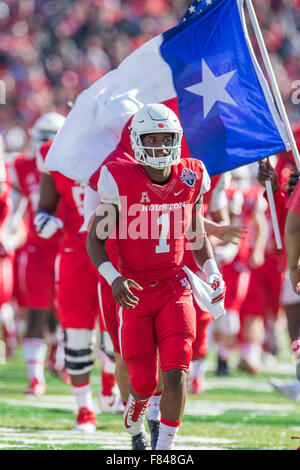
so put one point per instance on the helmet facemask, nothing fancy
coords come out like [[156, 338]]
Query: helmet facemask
[[143, 157]]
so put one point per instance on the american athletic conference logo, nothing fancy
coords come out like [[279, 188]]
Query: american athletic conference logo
[[188, 177]]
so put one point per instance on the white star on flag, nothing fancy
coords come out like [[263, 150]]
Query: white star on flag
[[192, 9], [212, 88], [208, 2]]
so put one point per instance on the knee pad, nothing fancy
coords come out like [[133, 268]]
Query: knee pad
[[229, 324], [79, 345]]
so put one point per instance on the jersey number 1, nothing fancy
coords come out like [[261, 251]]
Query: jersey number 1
[[164, 221]]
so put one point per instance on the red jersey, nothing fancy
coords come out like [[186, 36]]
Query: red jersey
[[153, 217], [252, 201], [71, 203], [6, 204], [28, 177]]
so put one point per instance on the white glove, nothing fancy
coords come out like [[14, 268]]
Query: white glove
[[47, 225], [218, 286]]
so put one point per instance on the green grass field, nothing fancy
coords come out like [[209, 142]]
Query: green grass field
[[239, 412]]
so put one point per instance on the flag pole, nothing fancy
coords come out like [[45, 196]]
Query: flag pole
[[273, 215], [274, 85]]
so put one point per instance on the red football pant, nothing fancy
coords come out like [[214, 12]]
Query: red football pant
[[264, 291], [164, 320], [35, 272], [108, 312], [200, 345], [77, 298], [6, 278], [237, 278]]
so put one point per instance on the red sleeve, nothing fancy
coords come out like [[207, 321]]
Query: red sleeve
[[45, 148], [294, 201]]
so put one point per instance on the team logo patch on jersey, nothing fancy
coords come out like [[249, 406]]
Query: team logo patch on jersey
[[188, 177]]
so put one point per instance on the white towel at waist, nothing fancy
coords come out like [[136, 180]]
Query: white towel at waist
[[202, 292]]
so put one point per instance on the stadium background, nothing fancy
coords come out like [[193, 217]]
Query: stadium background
[[50, 50]]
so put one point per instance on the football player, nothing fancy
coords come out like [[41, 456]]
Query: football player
[[283, 181], [36, 258], [166, 191], [77, 298]]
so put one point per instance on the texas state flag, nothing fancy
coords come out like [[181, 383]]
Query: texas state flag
[[203, 68]]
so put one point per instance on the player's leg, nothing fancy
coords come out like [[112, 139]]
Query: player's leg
[[200, 347], [122, 377], [139, 351], [77, 311], [37, 276], [7, 314], [55, 360], [35, 350], [237, 277], [116, 371], [290, 301], [252, 331], [273, 279], [108, 396], [175, 327], [154, 415]]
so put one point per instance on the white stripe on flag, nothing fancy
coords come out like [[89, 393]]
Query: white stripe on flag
[[93, 127]]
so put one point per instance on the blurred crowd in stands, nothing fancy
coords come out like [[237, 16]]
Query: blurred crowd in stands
[[50, 50]]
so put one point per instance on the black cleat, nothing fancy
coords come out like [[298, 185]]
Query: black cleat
[[154, 431], [222, 368], [139, 441]]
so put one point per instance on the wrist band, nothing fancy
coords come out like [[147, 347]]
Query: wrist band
[[196, 213], [109, 273]]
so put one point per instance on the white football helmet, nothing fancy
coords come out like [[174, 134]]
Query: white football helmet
[[151, 119], [45, 128]]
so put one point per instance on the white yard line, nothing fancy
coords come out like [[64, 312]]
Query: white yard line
[[105, 440]]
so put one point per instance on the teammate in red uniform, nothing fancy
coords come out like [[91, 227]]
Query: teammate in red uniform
[[283, 182], [77, 298], [8, 243], [163, 193], [36, 261], [247, 207]]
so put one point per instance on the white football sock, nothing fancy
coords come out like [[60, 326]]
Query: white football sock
[[108, 365], [251, 352], [83, 395], [167, 434], [199, 367], [223, 352], [153, 410], [7, 317], [35, 352]]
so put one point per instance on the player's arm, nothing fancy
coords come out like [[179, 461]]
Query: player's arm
[[203, 254], [227, 233], [292, 244], [257, 257], [46, 223], [100, 228]]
